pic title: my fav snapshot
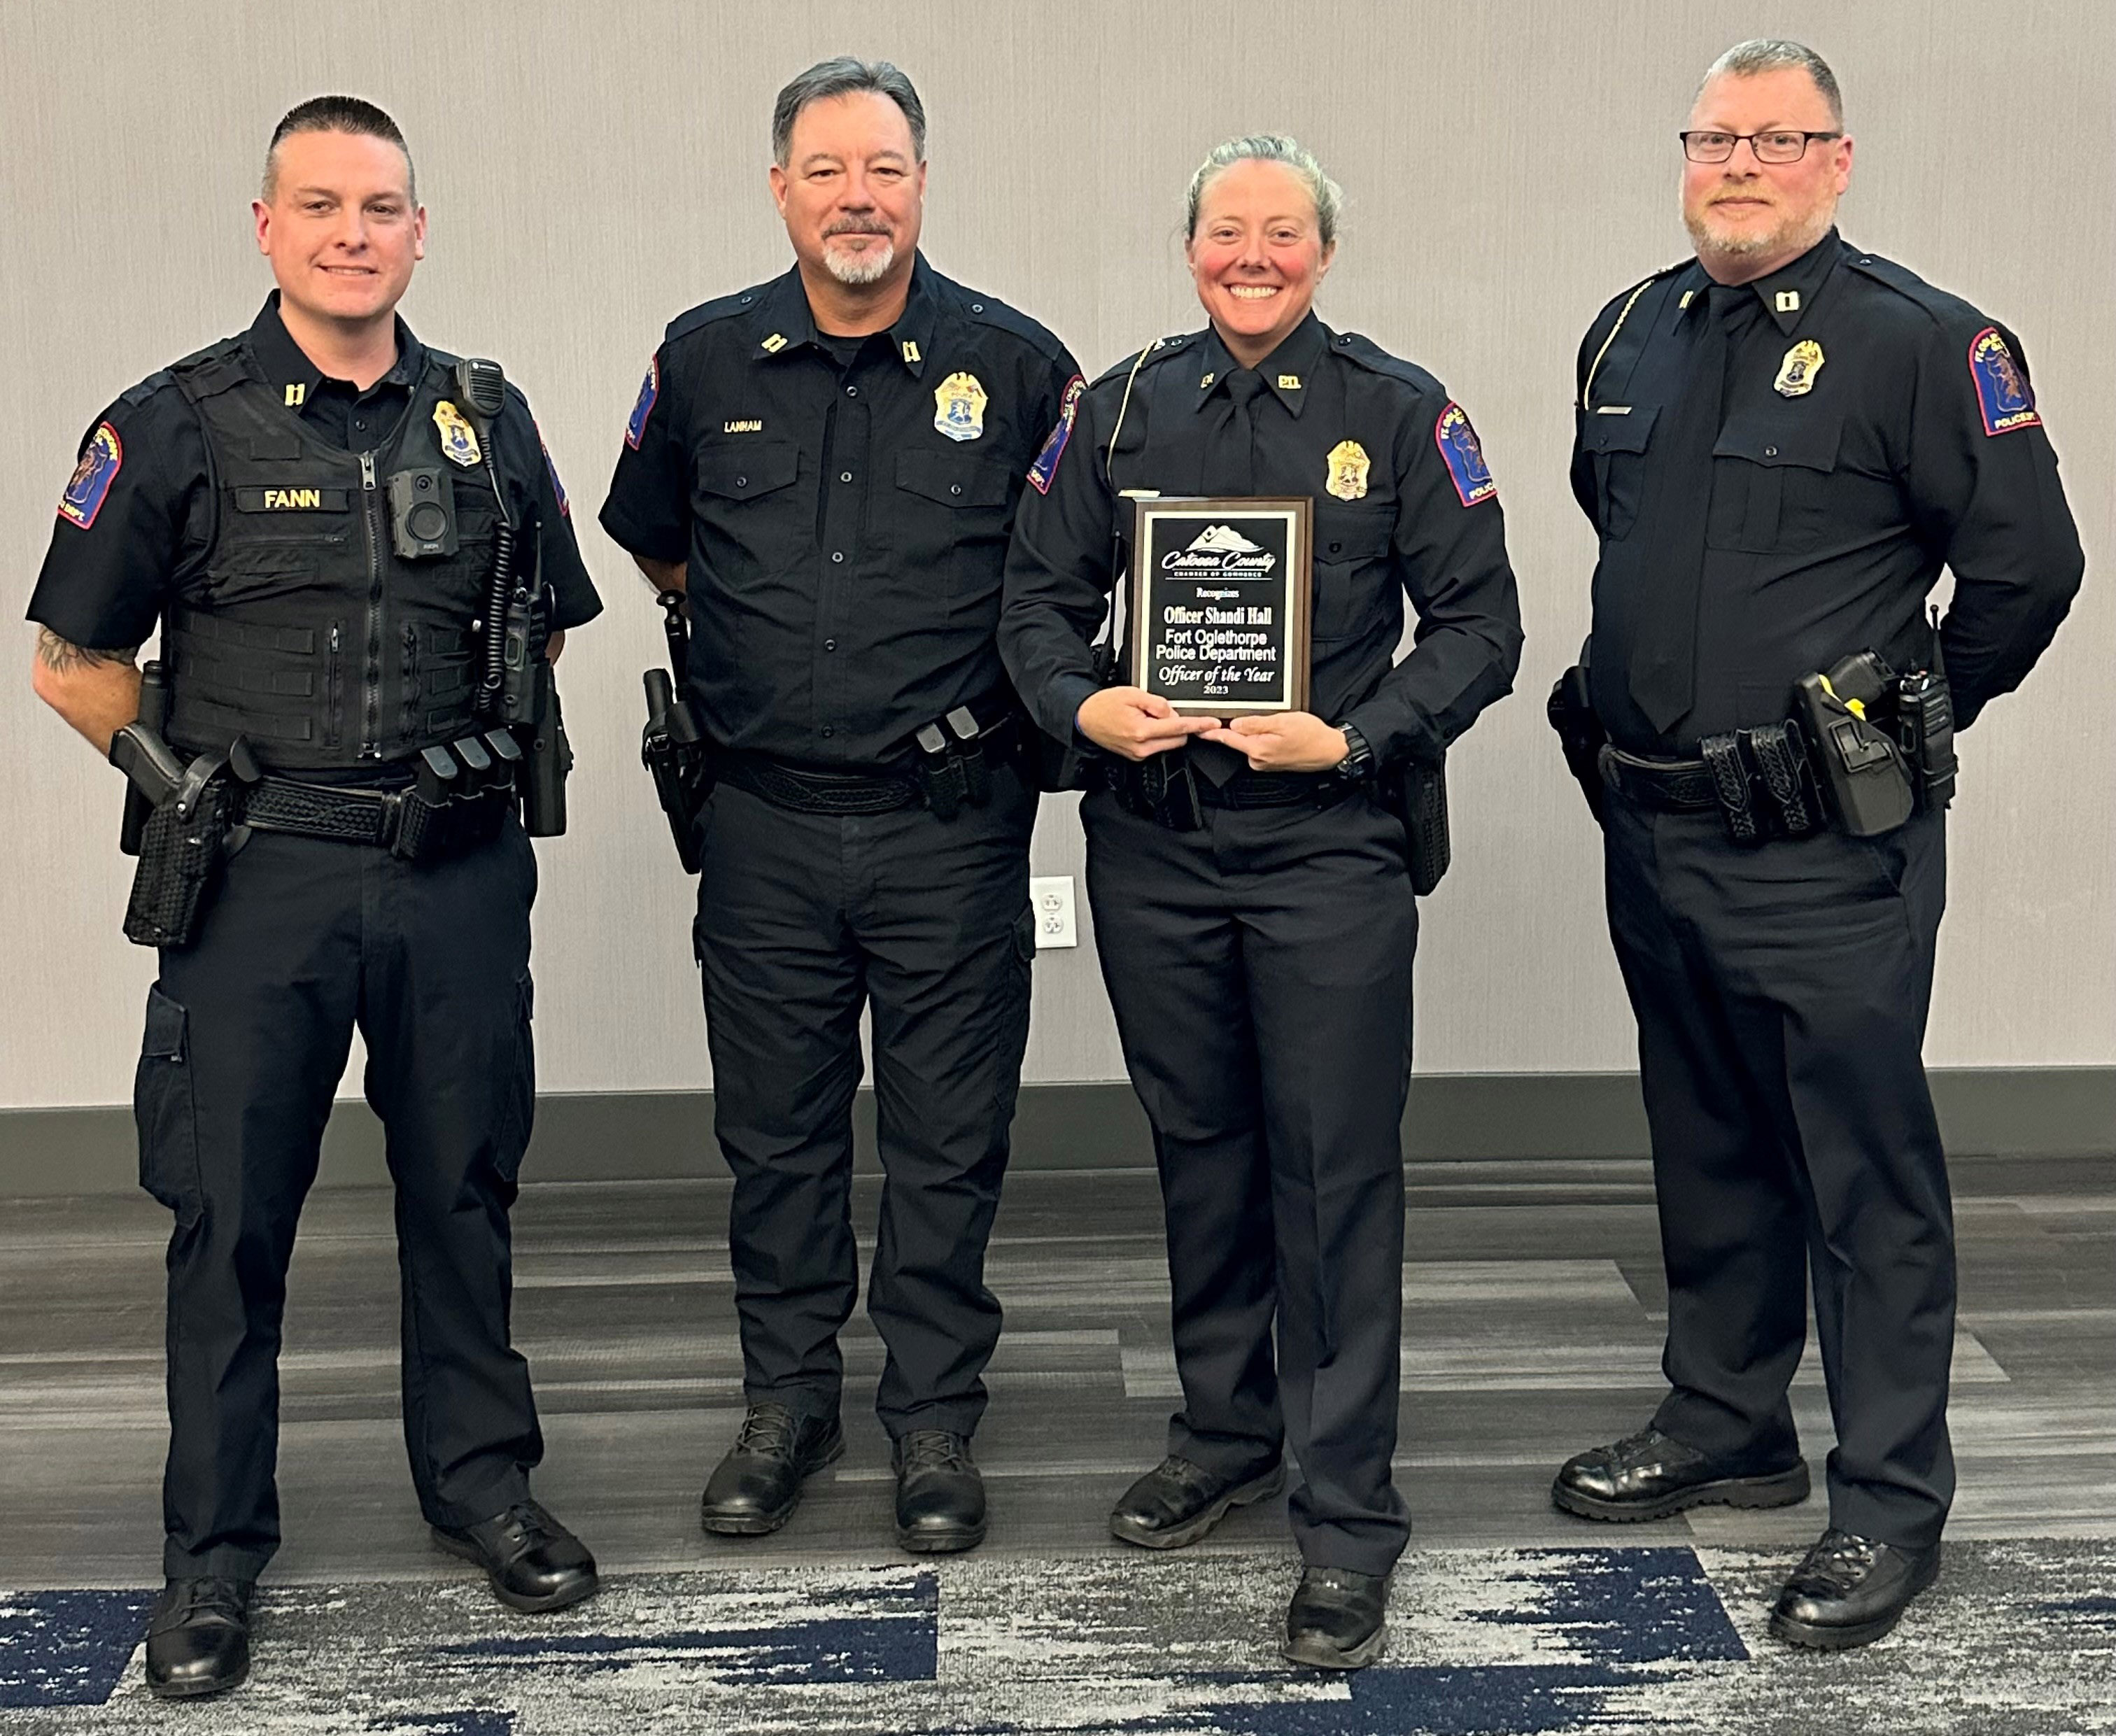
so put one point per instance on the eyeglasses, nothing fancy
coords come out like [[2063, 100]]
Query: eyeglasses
[[1769, 147]]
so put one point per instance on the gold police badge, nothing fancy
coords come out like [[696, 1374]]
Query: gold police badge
[[1796, 373], [458, 439], [960, 407], [1348, 471]]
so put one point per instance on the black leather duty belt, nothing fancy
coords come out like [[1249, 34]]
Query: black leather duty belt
[[806, 791], [949, 769], [1672, 786], [1276, 790], [399, 821]]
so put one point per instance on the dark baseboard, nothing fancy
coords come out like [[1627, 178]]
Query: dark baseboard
[[659, 1136]]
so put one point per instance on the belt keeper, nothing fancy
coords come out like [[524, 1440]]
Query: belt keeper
[[976, 777], [1730, 779]]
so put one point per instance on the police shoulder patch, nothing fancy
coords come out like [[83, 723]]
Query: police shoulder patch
[[650, 389], [2003, 396], [1046, 464], [1458, 441], [101, 461], [557, 488]]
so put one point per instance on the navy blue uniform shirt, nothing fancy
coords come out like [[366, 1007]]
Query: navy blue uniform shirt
[[844, 517], [103, 584], [1908, 440]]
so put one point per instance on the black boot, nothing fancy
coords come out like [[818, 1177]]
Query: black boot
[[756, 1487], [940, 1494], [1649, 1475], [1179, 1501], [1337, 1619], [198, 1638], [534, 1562], [1850, 1591]]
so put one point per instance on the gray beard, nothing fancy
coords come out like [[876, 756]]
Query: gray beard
[[870, 267], [1755, 246]]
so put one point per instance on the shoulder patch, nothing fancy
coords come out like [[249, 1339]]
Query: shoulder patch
[[101, 461], [650, 389], [1370, 355], [557, 488], [2003, 395], [1458, 441], [1045, 466]]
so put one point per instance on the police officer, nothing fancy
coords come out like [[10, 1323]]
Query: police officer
[[1780, 442], [827, 464], [243, 499], [1257, 945]]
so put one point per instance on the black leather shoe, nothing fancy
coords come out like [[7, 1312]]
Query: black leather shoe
[[534, 1562], [1648, 1476], [198, 1638], [1850, 1591], [757, 1486], [1337, 1619], [939, 1495], [1179, 1501]]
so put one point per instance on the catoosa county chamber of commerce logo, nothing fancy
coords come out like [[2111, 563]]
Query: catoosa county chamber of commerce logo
[[1220, 552]]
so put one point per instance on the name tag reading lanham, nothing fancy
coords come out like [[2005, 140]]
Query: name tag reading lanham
[[1219, 603]]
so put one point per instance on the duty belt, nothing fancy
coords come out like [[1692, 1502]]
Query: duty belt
[[1761, 781], [949, 769], [1168, 790], [400, 821]]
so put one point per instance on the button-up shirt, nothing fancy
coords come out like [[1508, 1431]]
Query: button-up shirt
[[1412, 513], [843, 506], [1873, 429]]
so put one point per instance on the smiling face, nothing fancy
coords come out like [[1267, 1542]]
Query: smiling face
[[852, 189], [1747, 218], [340, 227], [1256, 255]]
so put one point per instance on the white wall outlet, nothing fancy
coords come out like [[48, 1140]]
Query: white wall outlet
[[1051, 896]]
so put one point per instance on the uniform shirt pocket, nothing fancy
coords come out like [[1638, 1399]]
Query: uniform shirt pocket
[[1770, 480], [1349, 544], [742, 495], [950, 518], [1618, 442]]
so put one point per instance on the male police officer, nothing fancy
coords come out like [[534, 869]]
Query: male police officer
[[1780, 444], [829, 465], [267, 499]]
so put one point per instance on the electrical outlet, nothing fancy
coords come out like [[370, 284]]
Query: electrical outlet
[[1051, 896]]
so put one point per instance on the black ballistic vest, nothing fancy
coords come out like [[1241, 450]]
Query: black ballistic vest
[[307, 632]]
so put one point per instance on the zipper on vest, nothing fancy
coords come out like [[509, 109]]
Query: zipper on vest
[[371, 689], [332, 662]]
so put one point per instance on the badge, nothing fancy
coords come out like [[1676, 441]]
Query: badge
[[459, 443], [100, 460], [959, 412], [1045, 466], [1348, 463], [650, 389], [1458, 441], [2002, 392], [1796, 373]]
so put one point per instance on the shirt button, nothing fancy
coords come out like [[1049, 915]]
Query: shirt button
[[954, 488], [844, 475], [837, 557], [747, 300], [742, 481], [1770, 452], [977, 307], [851, 391], [828, 730], [830, 644]]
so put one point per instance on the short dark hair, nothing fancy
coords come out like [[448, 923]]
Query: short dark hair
[[844, 75], [336, 114]]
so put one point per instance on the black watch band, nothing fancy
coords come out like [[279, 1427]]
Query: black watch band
[[1359, 760]]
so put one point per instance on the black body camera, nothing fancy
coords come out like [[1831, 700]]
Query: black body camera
[[422, 513]]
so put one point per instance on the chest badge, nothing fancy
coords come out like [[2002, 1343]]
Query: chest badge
[[960, 407], [1348, 463], [1796, 373], [459, 440]]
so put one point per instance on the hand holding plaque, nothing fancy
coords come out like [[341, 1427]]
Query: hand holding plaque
[[1219, 603]]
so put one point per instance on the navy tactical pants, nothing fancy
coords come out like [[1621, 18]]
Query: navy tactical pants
[[247, 1033], [1261, 971], [803, 919], [1781, 994]]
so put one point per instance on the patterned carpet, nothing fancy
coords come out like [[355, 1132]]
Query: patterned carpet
[[2018, 1639]]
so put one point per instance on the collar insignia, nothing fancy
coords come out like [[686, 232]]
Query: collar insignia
[[773, 344]]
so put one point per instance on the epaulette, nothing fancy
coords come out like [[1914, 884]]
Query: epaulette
[[1908, 284], [708, 313], [1038, 337], [206, 373], [1356, 347], [1152, 356]]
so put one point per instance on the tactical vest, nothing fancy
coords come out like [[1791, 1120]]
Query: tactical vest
[[308, 633]]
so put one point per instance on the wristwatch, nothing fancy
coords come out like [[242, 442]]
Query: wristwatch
[[1359, 760]]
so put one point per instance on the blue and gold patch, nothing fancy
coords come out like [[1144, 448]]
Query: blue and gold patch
[[2002, 392], [1458, 441], [101, 461], [650, 389], [1046, 466], [557, 488]]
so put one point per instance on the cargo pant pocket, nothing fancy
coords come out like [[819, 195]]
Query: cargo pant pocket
[[163, 1109], [517, 1105]]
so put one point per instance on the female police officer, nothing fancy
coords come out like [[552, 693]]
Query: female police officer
[[1252, 900]]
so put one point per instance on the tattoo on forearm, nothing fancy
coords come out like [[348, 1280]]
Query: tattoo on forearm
[[62, 657]]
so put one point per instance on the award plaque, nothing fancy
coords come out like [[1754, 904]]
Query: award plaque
[[1219, 603]]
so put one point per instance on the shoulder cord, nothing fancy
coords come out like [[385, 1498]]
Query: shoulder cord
[[1595, 367]]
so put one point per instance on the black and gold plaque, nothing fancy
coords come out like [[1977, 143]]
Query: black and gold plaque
[[1219, 603]]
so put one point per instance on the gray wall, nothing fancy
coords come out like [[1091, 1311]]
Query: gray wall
[[592, 170]]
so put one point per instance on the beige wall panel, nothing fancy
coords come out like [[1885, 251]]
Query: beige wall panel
[[591, 170]]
